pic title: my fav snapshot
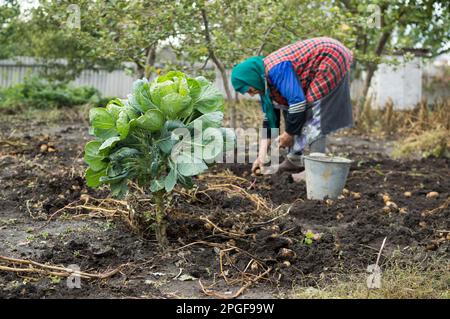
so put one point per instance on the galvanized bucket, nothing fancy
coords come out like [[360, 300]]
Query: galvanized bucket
[[325, 175]]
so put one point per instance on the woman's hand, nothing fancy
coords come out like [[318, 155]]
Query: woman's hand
[[257, 166], [285, 140]]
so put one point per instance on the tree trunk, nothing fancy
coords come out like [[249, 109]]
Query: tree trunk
[[150, 62], [221, 69], [144, 70], [140, 70], [160, 221], [372, 67], [231, 102]]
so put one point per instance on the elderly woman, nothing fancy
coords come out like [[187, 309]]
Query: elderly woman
[[308, 81]]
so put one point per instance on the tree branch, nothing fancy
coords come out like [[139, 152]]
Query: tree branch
[[219, 65], [266, 34]]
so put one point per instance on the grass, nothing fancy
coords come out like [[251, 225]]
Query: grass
[[50, 115], [429, 143], [399, 281]]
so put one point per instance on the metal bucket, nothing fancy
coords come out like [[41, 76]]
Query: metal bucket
[[325, 175]]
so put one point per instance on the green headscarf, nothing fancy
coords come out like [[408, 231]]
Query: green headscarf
[[251, 73]]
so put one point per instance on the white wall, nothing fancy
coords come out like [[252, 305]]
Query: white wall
[[401, 83]]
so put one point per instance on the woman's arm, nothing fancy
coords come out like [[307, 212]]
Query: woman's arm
[[262, 155], [284, 78]]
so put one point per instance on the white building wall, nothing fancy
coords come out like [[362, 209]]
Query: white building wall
[[402, 83]]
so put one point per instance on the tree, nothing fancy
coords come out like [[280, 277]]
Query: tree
[[386, 26], [11, 27], [226, 32], [108, 34]]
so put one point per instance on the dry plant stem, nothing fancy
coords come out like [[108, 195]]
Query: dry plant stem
[[381, 250], [275, 218], [104, 212], [220, 246], [55, 270], [229, 177], [259, 202], [445, 205], [221, 230], [211, 293]]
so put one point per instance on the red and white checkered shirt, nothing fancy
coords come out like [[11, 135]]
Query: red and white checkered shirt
[[320, 63]]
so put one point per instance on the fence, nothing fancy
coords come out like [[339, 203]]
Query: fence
[[397, 83]]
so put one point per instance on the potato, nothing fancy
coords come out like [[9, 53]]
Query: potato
[[44, 148], [391, 205], [287, 253], [386, 209], [407, 194], [433, 195], [356, 195]]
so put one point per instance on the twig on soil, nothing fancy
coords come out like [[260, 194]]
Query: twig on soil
[[102, 212], [53, 270], [256, 199], [211, 293], [220, 246], [27, 204], [49, 219], [286, 231], [179, 274], [12, 143], [232, 234], [227, 176], [200, 242], [437, 209], [381, 250], [277, 217], [192, 196], [221, 254]]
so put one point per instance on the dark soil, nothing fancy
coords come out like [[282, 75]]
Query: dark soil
[[37, 183]]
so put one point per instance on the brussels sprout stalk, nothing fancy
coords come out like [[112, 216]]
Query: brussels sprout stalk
[[160, 220], [136, 139]]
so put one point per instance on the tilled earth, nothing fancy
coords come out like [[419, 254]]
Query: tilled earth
[[227, 232]]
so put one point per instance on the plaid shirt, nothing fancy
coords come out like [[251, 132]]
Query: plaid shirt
[[320, 63]]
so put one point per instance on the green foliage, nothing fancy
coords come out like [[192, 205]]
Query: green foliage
[[151, 137], [12, 29], [431, 143], [113, 32], [37, 93], [309, 237], [109, 34]]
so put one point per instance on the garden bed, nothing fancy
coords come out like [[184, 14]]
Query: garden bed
[[233, 232]]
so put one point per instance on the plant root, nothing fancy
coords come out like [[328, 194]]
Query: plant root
[[35, 267], [445, 205], [257, 200], [239, 292]]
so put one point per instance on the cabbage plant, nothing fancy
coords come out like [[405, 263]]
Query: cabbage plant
[[163, 134]]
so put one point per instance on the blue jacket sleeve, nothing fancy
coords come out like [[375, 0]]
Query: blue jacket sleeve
[[284, 78]]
